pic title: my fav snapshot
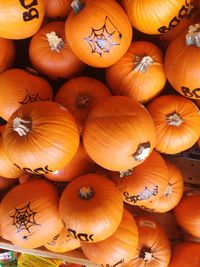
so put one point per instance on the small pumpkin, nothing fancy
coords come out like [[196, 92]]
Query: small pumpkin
[[155, 17], [177, 122], [187, 213], [119, 133], [91, 208], [26, 21], [98, 32], [154, 248], [181, 58], [139, 74], [7, 55], [43, 135], [62, 242], [79, 94], [57, 8], [51, 55], [120, 246], [19, 87], [144, 183], [29, 214]]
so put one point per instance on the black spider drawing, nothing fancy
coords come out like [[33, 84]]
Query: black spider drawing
[[24, 218], [101, 40], [32, 97]]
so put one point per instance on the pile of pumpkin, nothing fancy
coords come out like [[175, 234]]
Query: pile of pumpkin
[[75, 161]]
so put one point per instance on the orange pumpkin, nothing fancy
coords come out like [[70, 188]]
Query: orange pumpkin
[[98, 32], [7, 55], [91, 208], [177, 122], [43, 135], [29, 214], [173, 191], [144, 183], [182, 62], [187, 213], [154, 247], [139, 74], [120, 246], [50, 54], [79, 94], [62, 242], [6, 183], [20, 19], [80, 164], [119, 133], [27, 177], [186, 254], [18, 87], [57, 8], [198, 142], [155, 17]]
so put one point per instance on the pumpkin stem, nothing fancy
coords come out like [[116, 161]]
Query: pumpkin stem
[[56, 43], [146, 254], [193, 35], [31, 71], [168, 190], [126, 173], [22, 127], [86, 193], [142, 152], [82, 102], [77, 6], [142, 63], [174, 120]]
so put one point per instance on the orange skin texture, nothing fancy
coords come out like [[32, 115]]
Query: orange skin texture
[[7, 55], [57, 8]]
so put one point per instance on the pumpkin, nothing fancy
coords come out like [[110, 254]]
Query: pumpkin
[[7, 56], [196, 3], [19, 87], [79, 165], [98, 32], [154, 247], [62, 242], [198, 142], [91, 208], [177, 122], [27, 177], [50, 54], [181, 58], [57, 8], [119, 133], [172, 194], [144, 183], [79, 94], [7, 168], [29, 214], [155, 17], [120, 246], [20, 19], [187, 213], [43, 135], [139, 74], [7, 183], [185, 254]]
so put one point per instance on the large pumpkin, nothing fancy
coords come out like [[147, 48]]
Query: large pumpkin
[[177, 122], [119, 133], [91, 208], [18, 87], [182, 62], [187, 213], [29, 214], [20, 19], [43, 136], [144, 183], [155, 17], [117, 249], [154, 247], [7, 55], [57, 8], [98, 32], [79, 94], [139, 74], [50, 54]]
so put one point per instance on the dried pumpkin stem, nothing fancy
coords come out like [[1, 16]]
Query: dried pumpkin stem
[[146, 255], [126, 173], [168, 190], [77, 6], [174, 120], [22, 127], [56, 43], [83, 101], [193, 35], [86, 193], [142, 152], [142, 63]]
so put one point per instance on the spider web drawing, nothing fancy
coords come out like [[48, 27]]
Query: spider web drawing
[[32, 97], [101, 40], [24, 218]]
